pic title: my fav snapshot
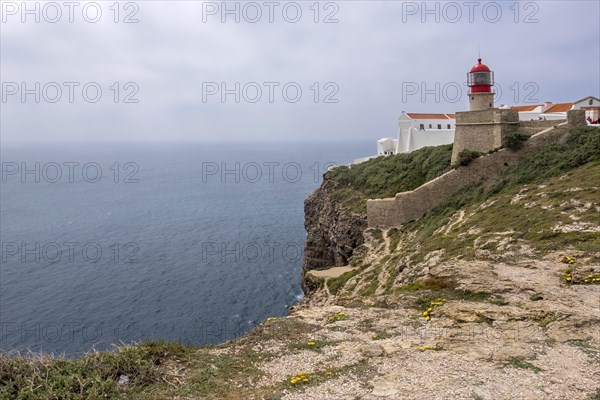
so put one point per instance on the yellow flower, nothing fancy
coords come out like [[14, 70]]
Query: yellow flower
[[311, 343]]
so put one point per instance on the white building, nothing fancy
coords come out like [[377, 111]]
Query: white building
[[387, 146], [591, 105], [554, 111], [421, 130], [417, 130]]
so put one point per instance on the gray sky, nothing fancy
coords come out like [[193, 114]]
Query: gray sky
[[356, 75]]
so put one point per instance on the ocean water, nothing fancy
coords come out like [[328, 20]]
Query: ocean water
[[198, 243]]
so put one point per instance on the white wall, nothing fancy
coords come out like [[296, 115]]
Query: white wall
[[411, 138]]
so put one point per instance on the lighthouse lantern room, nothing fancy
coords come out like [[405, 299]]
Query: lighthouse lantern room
[[480, 81]]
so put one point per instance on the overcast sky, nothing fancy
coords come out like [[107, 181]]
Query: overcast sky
[[357, 67]]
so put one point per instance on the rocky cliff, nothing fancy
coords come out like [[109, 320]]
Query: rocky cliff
[[335, 214], [333, 231]]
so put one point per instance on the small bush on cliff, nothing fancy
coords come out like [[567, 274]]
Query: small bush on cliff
[[514, 140], [466, 156]]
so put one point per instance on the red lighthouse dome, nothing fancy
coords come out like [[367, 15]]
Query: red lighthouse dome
[[480, 79]]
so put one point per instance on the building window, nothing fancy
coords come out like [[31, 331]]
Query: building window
[[422, 127], [429, 126], [439, 126], [448, 126]]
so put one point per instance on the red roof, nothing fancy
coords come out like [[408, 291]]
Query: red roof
[[479, 67], [559, 107], [525, 108], [428, 116]]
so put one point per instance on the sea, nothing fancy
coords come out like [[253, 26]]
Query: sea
[[111, 244]]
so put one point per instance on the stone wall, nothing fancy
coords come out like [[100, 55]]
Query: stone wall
[[540, 124], [482, 130], [408, 206], [481, 101]]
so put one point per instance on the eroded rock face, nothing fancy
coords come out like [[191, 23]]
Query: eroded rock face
[[333, 233]]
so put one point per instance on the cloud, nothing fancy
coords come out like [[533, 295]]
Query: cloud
[[362, 61]]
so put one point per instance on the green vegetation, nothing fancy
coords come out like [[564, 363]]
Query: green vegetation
[[466, 156], [548, 320], [94, 376], [377, 234], [519, 362], [158, 370], [514, 140], [335, 284], [381, 335], [394, 236], [434, 284], [385, 176], [536, 297], [498, 300]]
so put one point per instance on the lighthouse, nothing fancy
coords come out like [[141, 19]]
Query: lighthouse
[[483, 127], [480, 81]]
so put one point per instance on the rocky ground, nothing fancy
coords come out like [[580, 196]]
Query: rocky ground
[[537, 337]]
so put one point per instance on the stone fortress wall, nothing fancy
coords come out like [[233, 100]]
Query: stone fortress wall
[[411, 205]]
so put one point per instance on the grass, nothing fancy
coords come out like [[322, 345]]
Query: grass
[[382, 335], [497, 300], [435, 284], [94, 376], [519, 362], [587, 348], [536, 297], [372, 279], [548, 320], [394, 237], [377, 234], [385, 176], [156, 370], [336, 284]]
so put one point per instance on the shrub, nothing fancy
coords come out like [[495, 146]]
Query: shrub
[[335, 284], [466, 156], [385, 176], [514, 140]]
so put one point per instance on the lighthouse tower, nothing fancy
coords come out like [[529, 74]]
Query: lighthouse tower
[[483, 127], [480, 81]]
